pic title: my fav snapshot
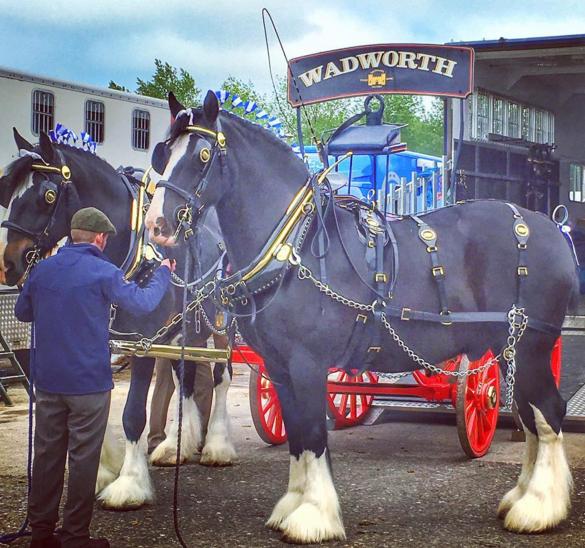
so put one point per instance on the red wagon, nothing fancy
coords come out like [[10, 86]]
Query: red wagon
[[475, 398]]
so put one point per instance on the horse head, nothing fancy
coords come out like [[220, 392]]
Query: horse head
[[38, 201], [187, 161]]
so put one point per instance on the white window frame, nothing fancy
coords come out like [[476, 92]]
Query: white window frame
[[42, 121], [576, 183], [140, 135], [91, 126]]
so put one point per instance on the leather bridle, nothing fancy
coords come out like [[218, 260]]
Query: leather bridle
[[208, 153], [52, 197]]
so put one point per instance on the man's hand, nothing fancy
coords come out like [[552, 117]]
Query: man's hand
[[169, 263]]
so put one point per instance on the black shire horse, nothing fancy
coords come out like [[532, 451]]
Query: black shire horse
[[254, 181], [39, 206]]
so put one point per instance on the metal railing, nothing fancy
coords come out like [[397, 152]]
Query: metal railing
[[416, 195]]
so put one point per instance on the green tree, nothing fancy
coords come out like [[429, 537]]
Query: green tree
[[117, 87], [168, 78]]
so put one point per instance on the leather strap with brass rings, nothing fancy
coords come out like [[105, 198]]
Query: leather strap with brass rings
[[50, 196], [205, 155]]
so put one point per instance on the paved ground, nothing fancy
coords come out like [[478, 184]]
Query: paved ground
[[400, 483]]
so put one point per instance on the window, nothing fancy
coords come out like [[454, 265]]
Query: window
[[514, 120], [483, 116], [576, 193], [141, 129], [95, 120], [539, 126], [526, 125], [43, 111], [498, 118]]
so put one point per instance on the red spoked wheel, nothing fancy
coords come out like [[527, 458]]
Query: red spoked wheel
[[348, 409], [477, 405], [265, 408]]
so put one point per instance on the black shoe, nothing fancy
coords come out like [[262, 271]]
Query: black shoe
[[47, 542], [97, 543]]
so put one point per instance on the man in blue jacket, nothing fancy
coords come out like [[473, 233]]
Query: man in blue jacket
[[68, 297]]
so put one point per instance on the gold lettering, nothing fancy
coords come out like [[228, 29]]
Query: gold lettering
[[312, 76], [331, 71], [349, 64], [390, 58], [424, 59], [444, 67], [407, 60], [370, 60]]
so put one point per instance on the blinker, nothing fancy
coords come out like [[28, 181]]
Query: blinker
[[160, 157]]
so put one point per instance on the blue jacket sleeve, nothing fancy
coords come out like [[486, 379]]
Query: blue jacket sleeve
[[23, 309], [135, 299]]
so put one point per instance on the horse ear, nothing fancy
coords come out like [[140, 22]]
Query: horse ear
[[174, 105], [47, 151], [211, 107], [21, 142]]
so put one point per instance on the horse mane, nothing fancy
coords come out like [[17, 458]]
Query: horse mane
[[183, 120], [82, 154]]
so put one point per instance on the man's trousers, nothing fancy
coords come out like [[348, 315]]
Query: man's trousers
[[74, 426]]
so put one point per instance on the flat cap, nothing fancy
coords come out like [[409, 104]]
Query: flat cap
[[92, 220]]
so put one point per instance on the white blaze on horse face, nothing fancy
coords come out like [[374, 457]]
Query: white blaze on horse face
[[155, 215]]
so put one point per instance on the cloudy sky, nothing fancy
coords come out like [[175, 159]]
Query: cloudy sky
[[98, 40]]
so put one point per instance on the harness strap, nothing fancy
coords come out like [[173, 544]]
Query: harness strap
[[428, 236], [522, 233], [406, 314]]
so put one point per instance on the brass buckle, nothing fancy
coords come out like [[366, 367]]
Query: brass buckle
[[361, 318], [431, 249], [374, 349], [522, 246], [438, 271], [405, 314], [522, 271], [380, 277]]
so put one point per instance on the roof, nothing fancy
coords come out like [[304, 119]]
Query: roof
[[541, 42], [83, 88]]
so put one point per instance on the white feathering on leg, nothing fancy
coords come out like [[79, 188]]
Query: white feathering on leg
[[293, 498], [547, 499]]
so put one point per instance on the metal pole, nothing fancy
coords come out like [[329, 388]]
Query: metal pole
[[435, 190], [386, 186], [300, 134], [425, 186], [413, 193]]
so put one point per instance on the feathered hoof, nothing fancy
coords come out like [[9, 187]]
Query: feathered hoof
[[510, 498], [283, 509], [165, 454], [105, 477], [308, 524], [533, 514], [218, 452], [126, 493]]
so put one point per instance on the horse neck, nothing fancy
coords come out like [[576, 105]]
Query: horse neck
[[99, 185], [262, 177]]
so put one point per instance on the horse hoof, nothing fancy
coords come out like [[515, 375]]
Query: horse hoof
[[165, 454], [534, 514], [308, 524], [126, 493], [510, 498], [283, 509], [218, 452]]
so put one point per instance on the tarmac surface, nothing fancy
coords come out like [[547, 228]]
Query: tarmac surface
[[401, 483]]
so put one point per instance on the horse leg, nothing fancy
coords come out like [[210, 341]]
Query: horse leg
[[541, 499], [318, 516], [111, 460], [133, 488], [293, 497], [219, 449], [165, 453]]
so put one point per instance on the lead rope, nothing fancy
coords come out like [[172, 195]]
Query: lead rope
[[181, 376]]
